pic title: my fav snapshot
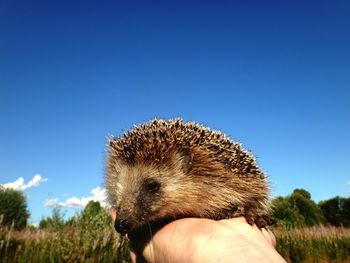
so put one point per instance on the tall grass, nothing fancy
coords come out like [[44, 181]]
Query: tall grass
[[72, 244], [68, 245], [314, 244]]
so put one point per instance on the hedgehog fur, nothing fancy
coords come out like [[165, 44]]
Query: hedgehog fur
[[174, 169]]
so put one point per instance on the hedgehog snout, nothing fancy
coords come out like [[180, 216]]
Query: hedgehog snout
[[122, 226]]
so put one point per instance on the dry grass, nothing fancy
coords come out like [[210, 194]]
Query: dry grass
[[68, 245], [314, 244]]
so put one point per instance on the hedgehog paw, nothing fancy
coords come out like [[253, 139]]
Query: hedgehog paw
[[250, 216], [260, 222]]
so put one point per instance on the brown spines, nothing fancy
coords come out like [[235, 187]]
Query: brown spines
[[153, 142]]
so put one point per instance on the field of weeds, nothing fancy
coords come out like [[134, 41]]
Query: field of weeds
[[67, 245], [314, 244]]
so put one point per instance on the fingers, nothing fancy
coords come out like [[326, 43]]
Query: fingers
[[113, 213], [240, 224], [270, 237]]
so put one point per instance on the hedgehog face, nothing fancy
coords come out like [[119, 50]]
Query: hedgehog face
[[145, 193], [139, 189]]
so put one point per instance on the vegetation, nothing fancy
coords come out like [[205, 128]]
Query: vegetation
[[88, 237], [13, 208], [336, 211], [297, 210], [305, 231], [67, 245], [314, 244], [54, 223]]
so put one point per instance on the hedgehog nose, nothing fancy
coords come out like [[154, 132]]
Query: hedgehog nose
[[121, 226]]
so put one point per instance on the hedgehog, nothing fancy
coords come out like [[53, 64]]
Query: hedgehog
[[170, 169]]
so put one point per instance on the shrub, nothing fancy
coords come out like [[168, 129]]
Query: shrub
[[296, 210], [55, 222], [336, 211], [13, 208]]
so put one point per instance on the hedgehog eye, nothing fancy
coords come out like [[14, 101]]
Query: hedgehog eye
[[152, 186]]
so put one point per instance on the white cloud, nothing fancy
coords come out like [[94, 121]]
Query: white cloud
[[51, 202], [74, 202], [37, 179], [16, 184], [20, 185], [97, 194]]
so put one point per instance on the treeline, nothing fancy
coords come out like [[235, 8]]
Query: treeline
[[14, 213], [299, 210]]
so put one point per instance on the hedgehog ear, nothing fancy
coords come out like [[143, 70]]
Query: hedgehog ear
[[186, 158]]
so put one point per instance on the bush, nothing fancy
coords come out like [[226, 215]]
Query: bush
[[93, 217], [286, 213], [55, 222], [13, 208], [336, 211], [307, 208], [296, 210]]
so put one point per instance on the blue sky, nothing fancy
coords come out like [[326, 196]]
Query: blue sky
[[273, 75]]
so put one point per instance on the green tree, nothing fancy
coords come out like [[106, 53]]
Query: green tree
[[55, 222], [346, 212], [93, 217], [296, 210], [336, 211], [307, 208], [13, 207], [302, 192], [286, 214], [331, 210]]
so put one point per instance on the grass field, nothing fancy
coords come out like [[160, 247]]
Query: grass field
[[316, 244], [67, 245]]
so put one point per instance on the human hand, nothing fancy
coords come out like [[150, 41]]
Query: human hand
[[204, 240]]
